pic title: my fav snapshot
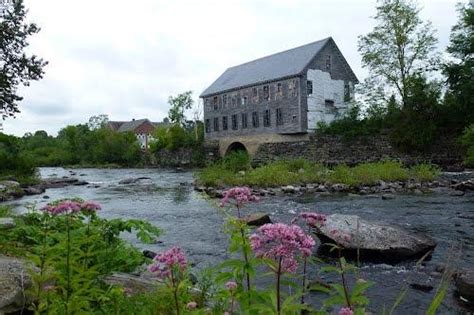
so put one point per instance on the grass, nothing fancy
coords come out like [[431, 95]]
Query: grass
[[293, 172], [5, 211]]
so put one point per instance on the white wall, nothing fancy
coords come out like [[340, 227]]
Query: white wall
[[324, 88]]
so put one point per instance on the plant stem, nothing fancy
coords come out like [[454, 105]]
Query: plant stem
[[278, 276], [244, 250], [304, 274], [175, 293], [68, 279], [344, 284]]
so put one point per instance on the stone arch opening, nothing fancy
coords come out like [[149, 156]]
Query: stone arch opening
[[236, 147]]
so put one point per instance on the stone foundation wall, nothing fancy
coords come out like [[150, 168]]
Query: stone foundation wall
[[332, 150]]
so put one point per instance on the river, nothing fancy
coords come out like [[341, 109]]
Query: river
[[191, 221]]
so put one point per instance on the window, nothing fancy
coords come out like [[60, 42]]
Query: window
[[255, 120], [279, 117], [244, 120], [254, 92], [208, 126], [347, 92], [279, 90], [309, 87], [224, 123], [234, 122], [328, 62], [214, 102], [292, 88], [266, 93], [266, 118], [216, 124], [243, 100], [224, 99], [234, 101]]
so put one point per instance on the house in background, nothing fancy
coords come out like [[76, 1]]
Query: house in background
[[278, 98], [143, 129]]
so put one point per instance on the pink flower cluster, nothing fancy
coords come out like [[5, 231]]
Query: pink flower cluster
[[313, 219], [240, 195], [165, 263], [281, 241], [71, 206], [345, 311], [231, 285]]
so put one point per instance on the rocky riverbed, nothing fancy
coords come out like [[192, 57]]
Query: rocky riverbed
[[168, 200]]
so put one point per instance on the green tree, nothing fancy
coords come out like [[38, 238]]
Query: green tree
[[179, 104], [400, 46], [459, 71], [16, 68]]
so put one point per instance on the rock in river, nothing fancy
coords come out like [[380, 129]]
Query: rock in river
[[257, 219], [465, 285], [128, 181], [375, 241]]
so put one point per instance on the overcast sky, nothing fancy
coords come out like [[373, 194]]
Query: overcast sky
[[124, 58]]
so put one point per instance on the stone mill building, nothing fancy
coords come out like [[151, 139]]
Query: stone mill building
[[278, 98]]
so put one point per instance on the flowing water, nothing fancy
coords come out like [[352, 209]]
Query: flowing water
[[195, 223]]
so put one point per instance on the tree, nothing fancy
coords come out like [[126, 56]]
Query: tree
[[400, 46], [459, 71], [16, 68], [178, 105]]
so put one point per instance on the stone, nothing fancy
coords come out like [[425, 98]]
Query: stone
[[33, 190], [465, 284], [128, 181], [457, 193], [421, 287], [7, 223], [375, 241], [464, 185], [132, 284], [80, 183], [340, 188], [321, 188], [45, 197], [149, 254], [387, 196], [58, 182], [288, 189], [14, 281], [257, 219]]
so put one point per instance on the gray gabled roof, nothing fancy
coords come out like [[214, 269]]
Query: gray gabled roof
[[280, 65]]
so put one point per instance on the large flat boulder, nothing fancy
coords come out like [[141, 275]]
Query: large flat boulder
[[372, 241]]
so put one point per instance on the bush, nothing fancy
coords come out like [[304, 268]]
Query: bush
[[237, 161], [467, 140]]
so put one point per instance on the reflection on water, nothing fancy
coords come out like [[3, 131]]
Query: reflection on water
[[190, 221]]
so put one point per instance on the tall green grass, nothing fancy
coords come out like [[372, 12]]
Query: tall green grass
[[300, 171]]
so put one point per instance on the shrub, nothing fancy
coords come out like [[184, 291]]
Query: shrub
[[237, 161], [467, 140], [424, 172]]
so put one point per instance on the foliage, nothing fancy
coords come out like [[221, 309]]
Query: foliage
[[97, 122], [82, 145], [458, 71], [73, 249], [467, 140], [237, 161], [178, 105], [13, 163], [176, 137], [400, 46], [16, 68], [5, 211], [291, 172]]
